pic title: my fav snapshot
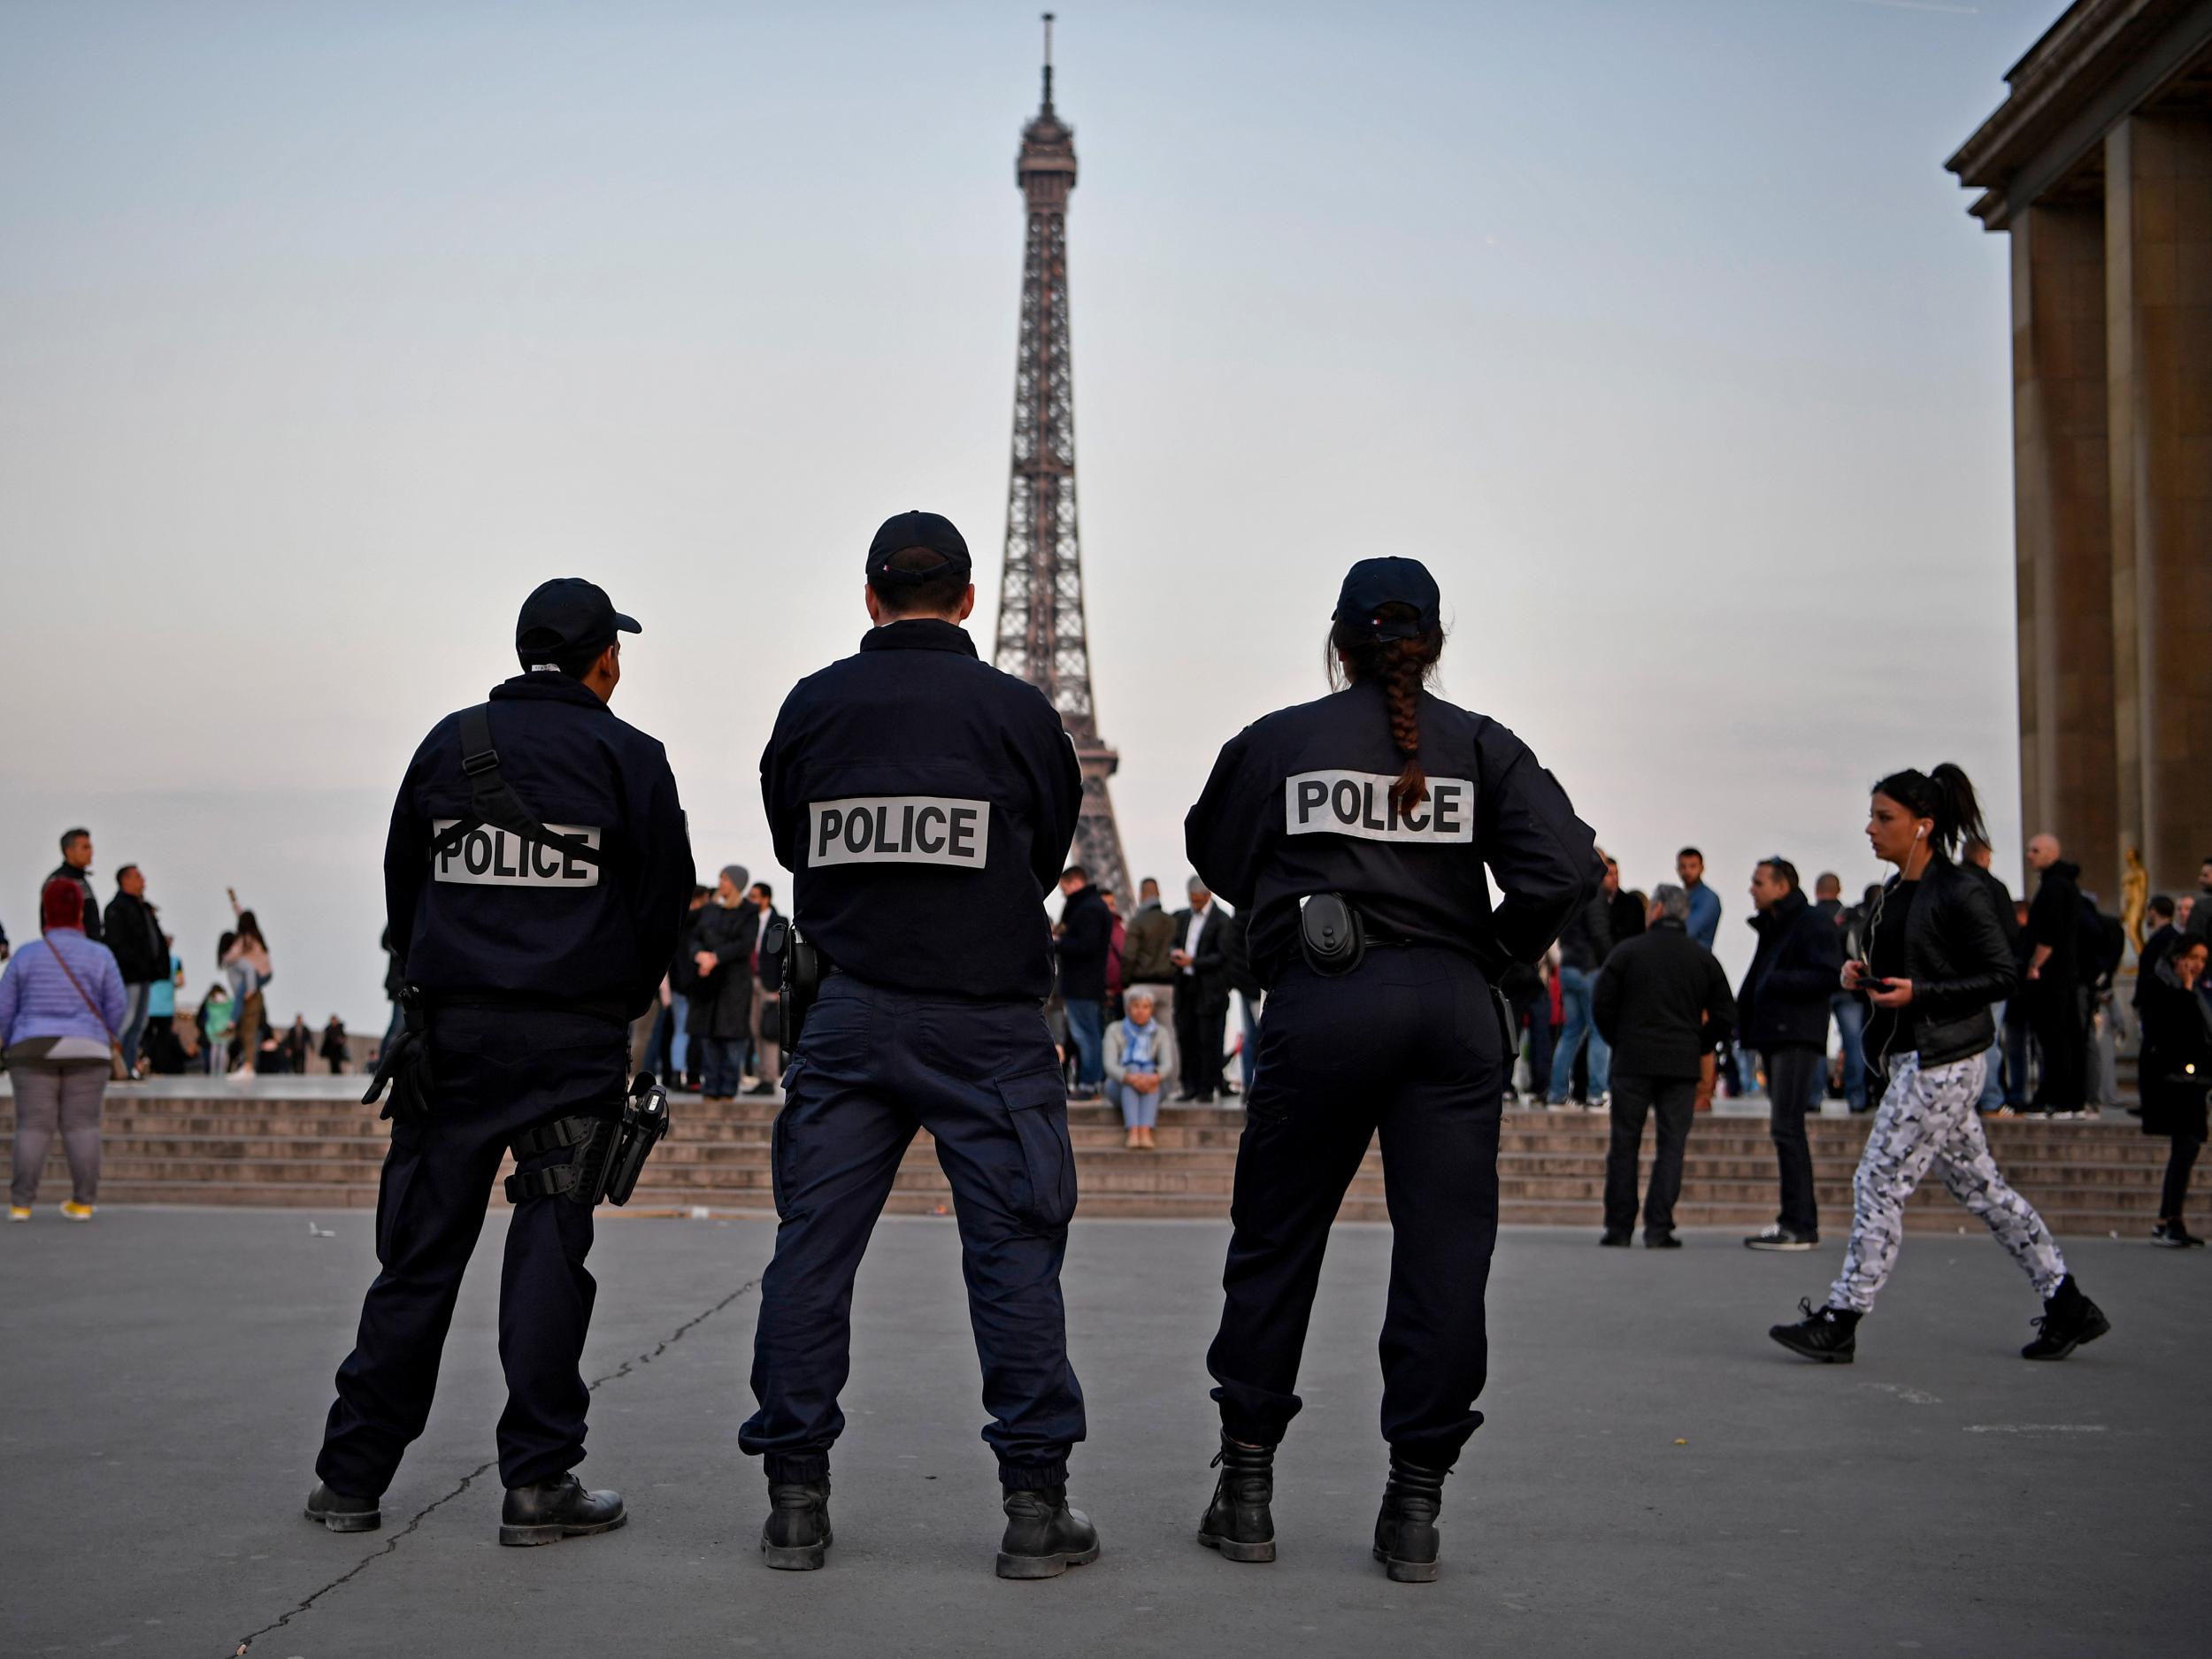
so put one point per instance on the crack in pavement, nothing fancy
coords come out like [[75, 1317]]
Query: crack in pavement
[[627, 1368]]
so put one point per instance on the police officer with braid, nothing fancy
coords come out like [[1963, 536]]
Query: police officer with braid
[[925, 803], [1355, 831], [535, 873]]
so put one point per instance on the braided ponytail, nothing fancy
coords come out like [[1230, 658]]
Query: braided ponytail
[[1401, 667]]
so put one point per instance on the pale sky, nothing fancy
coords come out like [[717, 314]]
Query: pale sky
[[328, 331]]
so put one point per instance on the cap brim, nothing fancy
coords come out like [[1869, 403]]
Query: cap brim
[[626, 625]]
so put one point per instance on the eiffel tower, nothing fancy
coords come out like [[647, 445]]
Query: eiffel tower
[[1040, 631]]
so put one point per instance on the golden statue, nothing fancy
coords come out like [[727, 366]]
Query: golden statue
[[2135, 896]]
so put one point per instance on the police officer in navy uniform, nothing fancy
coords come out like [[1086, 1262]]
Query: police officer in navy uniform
[[924, 802], [1353, 832], [527, 956]]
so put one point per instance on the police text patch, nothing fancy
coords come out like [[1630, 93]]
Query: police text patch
[[899, 829], [488, 857], [1358, 803]]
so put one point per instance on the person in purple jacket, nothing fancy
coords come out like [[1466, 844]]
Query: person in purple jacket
[[61, 1003]]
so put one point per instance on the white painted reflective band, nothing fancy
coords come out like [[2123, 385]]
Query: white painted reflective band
[[899, 829], [489, 857], [1358, 803]]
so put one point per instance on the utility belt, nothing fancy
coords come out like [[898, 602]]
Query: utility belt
[[606, 1154], [804, 968], [1334, 939], [530, 1002]]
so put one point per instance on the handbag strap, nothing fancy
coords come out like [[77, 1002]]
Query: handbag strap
[[55, 951]]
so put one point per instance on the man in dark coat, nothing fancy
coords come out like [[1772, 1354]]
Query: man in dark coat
[[1782, 1008], [142, 953], [2056, 1011], [1661, 1003], [1200, 955], [76, 865], [2159, 945], [1080, 943], [721, 1014]]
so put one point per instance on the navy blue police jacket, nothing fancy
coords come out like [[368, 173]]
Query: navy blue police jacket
[[503, 915], [1298, 804], [924, 802]]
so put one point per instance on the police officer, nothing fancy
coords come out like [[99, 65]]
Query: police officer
[[924, 802], [1353, 832], [534, 875]]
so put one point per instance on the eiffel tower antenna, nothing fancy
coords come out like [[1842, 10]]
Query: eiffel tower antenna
[[1041, 629]]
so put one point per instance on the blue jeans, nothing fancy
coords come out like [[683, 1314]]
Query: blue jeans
[[724, 1067], [1575, 988], [135, 999], [672, 1023], [1992, 1074], [1139, 1109], [1087, 1031], [1850, 1015]]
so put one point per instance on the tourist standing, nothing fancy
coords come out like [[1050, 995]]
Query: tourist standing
[[134, 934], [245, 959], [1140, 1065], [1200, 955], [2176, 1070], [215, 1019], [767, 973], [334, 1048], [62, 1004], [721, 1016], [1937, 962], [76, 867], [1662, 1002], [1584, 943], [164, 1053], [1978, 857], [2200, 917], [1783, 1011], [2055, 1008], [1081, 941], [2165, 934], [1704, 927], [1145, 944], [1845, 1008]]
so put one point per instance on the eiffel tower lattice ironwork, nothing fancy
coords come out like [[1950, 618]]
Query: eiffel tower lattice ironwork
[[1040, 630]]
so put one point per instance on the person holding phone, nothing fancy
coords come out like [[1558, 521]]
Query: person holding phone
[[1936, 960]]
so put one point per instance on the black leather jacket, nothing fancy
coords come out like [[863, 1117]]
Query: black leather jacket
[[1959, 964]]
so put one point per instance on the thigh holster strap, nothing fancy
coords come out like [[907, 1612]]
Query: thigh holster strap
[[585, 1172]]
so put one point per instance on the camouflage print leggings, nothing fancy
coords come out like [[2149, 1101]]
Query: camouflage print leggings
[[1929, 1118]]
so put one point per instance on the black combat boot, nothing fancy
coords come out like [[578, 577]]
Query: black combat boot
[[1044, 1538], [2070, 1320], [553, 1509], [342, 1514], [1238, 1521], [1827, 1334], [1405, 1531], [797, 1536]]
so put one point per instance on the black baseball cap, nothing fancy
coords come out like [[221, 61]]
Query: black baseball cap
[[567, 615], [916, 528], [1372, 584]]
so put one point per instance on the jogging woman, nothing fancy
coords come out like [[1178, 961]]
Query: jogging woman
[[1936, 960]]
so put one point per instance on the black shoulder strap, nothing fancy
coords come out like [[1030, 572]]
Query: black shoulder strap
[[493, 801]]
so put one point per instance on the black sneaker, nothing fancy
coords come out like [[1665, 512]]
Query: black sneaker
[[1044, 1538], [1405, 1531], [342, 1514], [1240, 1522], [2174, 1234], [1662, 1239], [553, 1509], [1614, 1239], [2069, 1319], [1779, 1237], [796, 1538], [1827, 1334]]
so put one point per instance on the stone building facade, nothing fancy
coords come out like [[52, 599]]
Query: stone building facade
[[2099, 166]]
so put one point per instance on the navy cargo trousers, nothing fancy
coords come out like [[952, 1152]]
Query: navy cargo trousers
[[872, 1066], [1407, 1044], [496, 1073]]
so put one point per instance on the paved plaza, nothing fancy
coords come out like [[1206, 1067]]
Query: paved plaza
[[1656, 1477]]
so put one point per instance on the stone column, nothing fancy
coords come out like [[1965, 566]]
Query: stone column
[[2158, 245], [2063, 530]]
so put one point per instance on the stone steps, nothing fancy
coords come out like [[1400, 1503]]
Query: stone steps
[[2085, 1177]]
